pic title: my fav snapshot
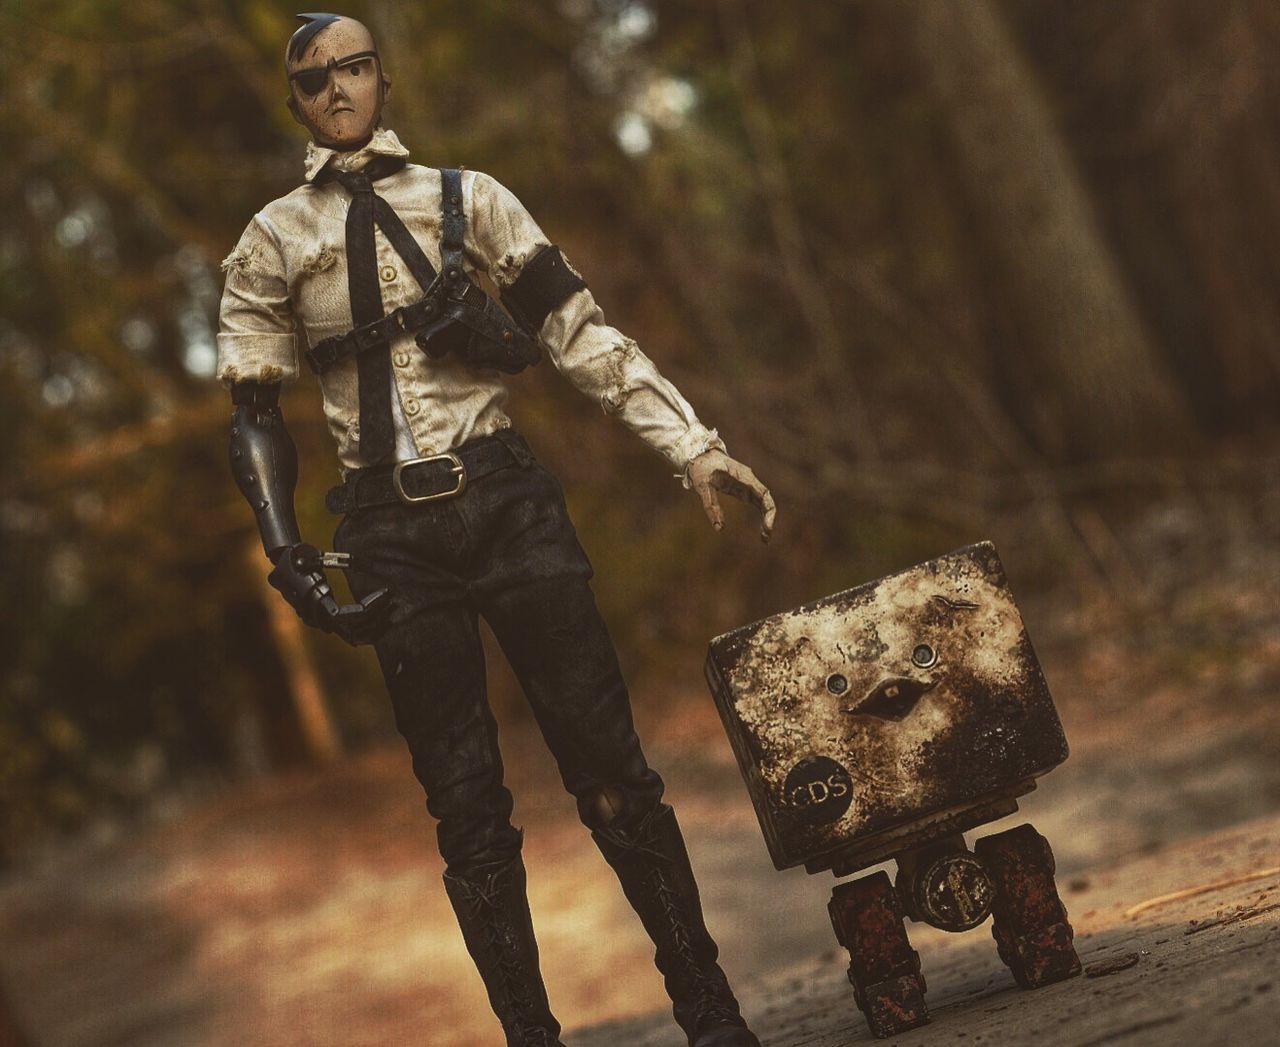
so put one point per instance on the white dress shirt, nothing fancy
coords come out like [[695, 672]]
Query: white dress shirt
[[287, 278]]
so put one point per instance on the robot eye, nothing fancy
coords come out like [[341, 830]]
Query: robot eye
[[924, 656], [837, 684]]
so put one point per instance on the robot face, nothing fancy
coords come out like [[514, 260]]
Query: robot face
[[885, 705]]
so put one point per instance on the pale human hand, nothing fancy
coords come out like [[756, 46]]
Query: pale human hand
[[714, 471]]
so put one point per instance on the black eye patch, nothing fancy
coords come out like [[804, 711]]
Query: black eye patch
[[311, 81], [314, 80]]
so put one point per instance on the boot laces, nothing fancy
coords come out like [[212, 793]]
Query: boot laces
[[484, 899], [707, 996]]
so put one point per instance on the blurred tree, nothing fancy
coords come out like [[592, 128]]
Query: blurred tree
[[927, 266], [1068, 304], [1172, 109]]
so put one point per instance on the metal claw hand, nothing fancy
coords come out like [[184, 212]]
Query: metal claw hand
[[363, 622], [299, 577], [714, 471]]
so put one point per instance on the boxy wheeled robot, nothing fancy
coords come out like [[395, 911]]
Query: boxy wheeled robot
[[883, 722]]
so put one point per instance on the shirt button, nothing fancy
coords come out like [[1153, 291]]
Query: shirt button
[[402, 359], [388, 273], [411, 407]]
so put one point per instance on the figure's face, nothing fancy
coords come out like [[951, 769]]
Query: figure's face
[[336, 86]]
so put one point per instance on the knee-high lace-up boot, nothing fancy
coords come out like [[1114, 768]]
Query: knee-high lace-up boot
[[493, 912], [653, 866]]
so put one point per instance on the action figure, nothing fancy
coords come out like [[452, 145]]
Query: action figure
[[448, 515]]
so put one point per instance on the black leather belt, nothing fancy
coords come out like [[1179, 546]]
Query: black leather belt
[[434, 478]]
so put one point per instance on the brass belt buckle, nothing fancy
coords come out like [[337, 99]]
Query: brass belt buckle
[[458, 469]]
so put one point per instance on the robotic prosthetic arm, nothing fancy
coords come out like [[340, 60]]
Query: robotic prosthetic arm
[[264, 462]]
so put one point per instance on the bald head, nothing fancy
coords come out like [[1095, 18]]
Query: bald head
[[336, 84]]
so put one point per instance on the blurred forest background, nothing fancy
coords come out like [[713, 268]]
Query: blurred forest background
[[939, 271]]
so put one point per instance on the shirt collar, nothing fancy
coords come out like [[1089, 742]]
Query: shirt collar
[[383, 143]]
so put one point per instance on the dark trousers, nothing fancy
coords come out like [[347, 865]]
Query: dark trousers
[[504, 549]]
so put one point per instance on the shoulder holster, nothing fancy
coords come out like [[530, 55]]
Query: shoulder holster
[[454, 314]]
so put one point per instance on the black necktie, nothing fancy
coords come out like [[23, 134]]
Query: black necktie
[[373, 365], [377, 439]]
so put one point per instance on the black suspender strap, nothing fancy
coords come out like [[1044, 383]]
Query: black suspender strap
[[453, 224], [453, 314], [405, 245]]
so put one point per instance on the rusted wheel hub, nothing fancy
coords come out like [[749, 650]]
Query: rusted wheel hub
[[953, 892]]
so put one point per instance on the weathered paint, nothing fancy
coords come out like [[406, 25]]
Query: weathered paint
[[834, 684], [883, 968], [953, 892], [1029, 921]]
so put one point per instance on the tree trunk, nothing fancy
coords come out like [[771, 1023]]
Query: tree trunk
[[1090, 382], [315, 724], [11, 1034]]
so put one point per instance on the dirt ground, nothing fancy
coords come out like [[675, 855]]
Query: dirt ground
[[1195, 970], [308, 910]]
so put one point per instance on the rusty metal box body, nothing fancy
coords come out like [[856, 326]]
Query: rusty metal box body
[[897, 707]]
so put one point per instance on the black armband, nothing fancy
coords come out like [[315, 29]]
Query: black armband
[[544, 283], [264, 462]]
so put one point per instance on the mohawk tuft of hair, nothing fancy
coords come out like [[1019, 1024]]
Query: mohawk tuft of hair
[[312, 23]]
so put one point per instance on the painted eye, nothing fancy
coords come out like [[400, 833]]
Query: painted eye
[[891, 699], [837, 684], [355, 70]]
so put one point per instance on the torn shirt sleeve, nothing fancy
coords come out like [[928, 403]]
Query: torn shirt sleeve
[[257, 339], [597, 359]]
